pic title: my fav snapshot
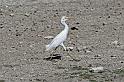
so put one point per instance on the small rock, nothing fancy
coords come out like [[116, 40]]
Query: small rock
[[49, 37], [103, 24], [1, 27], [32, 45], [97, 69], [11, 14], [6, 6], [97, 57], [74, 28], [39, 35], [21, 42], [78, 49], [115, 42], [77, 23], [10, 51], [18, 34], [24, 53], [26, 14], [38, 79], [48, 26], [90, 65], [108, 16], [87, 49], [121, 61], [21, 78], [113, 56], [70, 48]]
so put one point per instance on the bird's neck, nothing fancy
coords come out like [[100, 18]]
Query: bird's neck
[[65, 25]]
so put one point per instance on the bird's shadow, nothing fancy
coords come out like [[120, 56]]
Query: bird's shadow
[[56, 56], [53, 57]]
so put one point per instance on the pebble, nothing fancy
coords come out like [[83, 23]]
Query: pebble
[[26, 14], [11, 14], [74, 28], [121, 61], [97, 69], [115, 42], [70, 48], [21, 42], [49, 37], [87, 49], [31, 45]]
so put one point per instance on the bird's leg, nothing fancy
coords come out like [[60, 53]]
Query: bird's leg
[[54, 50], [51, 55], [63, 46]]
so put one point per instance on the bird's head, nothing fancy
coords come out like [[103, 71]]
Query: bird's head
[[64, 18]]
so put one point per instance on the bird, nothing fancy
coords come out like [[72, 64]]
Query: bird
[[61, 37]]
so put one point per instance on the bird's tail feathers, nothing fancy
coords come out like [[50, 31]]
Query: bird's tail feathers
[[47, 47]]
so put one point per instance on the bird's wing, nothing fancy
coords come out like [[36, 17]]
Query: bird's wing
[[58, 38], [54, 43]]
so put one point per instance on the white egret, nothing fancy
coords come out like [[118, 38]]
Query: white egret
[[61, 37]]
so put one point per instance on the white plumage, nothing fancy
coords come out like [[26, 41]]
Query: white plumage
[[61, 37]]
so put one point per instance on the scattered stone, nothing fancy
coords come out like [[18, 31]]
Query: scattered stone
[[74, 28], [39, 35], [1, 27], [13, 47], [1, 10], [27, 15], [21, 78], [87, 49], [48, 26], [70, 48], [77, 23], [103, 24], [6, 6], [121, 61], [32, 45], [78, 49], [97, 56], [90, 65], [10, 51], [24, 53], [97, 69], [115, 42], [11, 14], [49, 37], [108, 16], [21, 42], [38, 79], [113, 56]]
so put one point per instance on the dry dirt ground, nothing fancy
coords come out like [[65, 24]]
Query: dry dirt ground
[[96, 35]]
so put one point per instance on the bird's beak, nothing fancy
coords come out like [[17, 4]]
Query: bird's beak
[[69, 17]]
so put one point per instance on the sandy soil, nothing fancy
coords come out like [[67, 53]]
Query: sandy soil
[[96, 34]]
